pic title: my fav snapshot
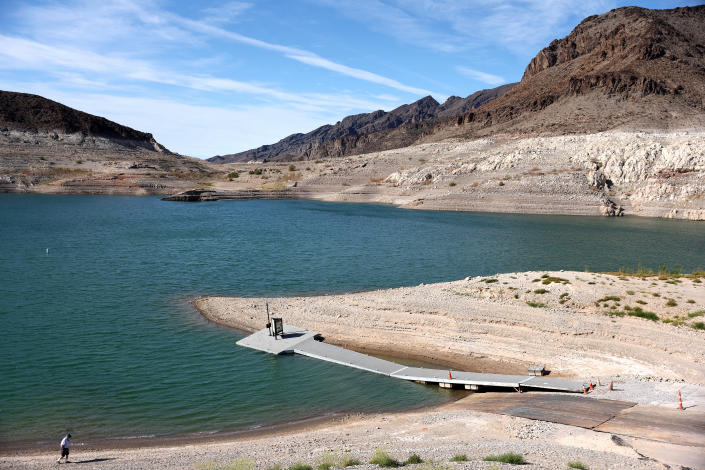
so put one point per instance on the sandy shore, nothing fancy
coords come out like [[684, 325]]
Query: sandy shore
[[435, 435], [484, 323]]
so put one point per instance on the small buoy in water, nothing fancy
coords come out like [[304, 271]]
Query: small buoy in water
[[47, 250]]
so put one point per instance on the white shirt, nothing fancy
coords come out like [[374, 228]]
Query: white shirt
[[65, 442]]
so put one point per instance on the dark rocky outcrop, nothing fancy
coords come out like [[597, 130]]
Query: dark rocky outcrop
[[33, 113]]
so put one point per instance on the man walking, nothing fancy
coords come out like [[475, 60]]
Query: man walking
[[65, 443]]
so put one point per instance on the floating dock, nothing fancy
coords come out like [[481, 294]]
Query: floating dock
[[300, 341]]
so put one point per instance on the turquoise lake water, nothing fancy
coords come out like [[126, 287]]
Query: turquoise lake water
[[98, 336]]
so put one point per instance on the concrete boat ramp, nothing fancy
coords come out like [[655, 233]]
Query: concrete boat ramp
[[300, 341]]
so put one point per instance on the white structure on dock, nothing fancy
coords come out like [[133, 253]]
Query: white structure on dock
[[299, 341]]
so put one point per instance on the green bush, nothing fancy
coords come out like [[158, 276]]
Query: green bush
[[535, 304], [578, 465], [671, 303], [383, 459], [451, 184], [698, 325], [300, 466], [540, 291], [413, 459], [233, 174], [509, 457], [292, 167], [699, 313], [459, 458], [489, 280]]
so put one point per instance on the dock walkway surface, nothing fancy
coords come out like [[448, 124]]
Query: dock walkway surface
[[300, 341]]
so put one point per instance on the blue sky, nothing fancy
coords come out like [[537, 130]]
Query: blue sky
[[214, 77]]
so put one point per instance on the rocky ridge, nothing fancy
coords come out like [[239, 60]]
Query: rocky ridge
[[365, 132]]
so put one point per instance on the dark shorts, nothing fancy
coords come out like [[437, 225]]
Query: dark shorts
[[65, 452]]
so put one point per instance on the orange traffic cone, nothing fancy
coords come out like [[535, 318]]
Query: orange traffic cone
[[592, 387], [584, 390], [450, 376], [680, 401], [611, 386]]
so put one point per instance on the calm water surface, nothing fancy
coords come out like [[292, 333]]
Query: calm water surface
[[98, 336]]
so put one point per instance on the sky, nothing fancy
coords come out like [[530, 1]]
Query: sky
[[215, 77]]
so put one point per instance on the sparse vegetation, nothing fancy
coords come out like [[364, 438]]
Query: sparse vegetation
[[292, 167], [671, 303], [459, 458], [256, 171], [630, 292], [348, 460], [699, 313], [549, 279], [578, 465], [413, 459], [383, 459], [509, 457], [698, 325], [451, 184], [535, 304], [489, 280], [540, 291], [233, 174], [640, 302]]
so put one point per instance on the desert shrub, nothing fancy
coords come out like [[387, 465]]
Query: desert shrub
[[501, 183], [509, 457], [690, 301], [607, 298], [630, 292], [638, 312], [348, 460], [413, 459], [699, 313], [540, 291], [550, 279], [451, 184], [535, 304], [292, 167], [656, 294], [489, 280], [300, 466], [698, 325], [671, 303], [256, 171], [578, 465], [640, 302], [459, 458], [383, 459], [233, 174]]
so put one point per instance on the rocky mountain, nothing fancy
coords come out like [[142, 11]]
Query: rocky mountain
[[630, 68], [47, 146], [365, 132]]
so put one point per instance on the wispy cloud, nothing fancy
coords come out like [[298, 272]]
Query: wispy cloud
[[452, 26], [481, 76], [126, 19]]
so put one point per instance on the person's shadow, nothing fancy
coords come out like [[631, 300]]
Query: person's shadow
[[92, 460]]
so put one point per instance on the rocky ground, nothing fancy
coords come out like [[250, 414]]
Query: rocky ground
[[613, 173]]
